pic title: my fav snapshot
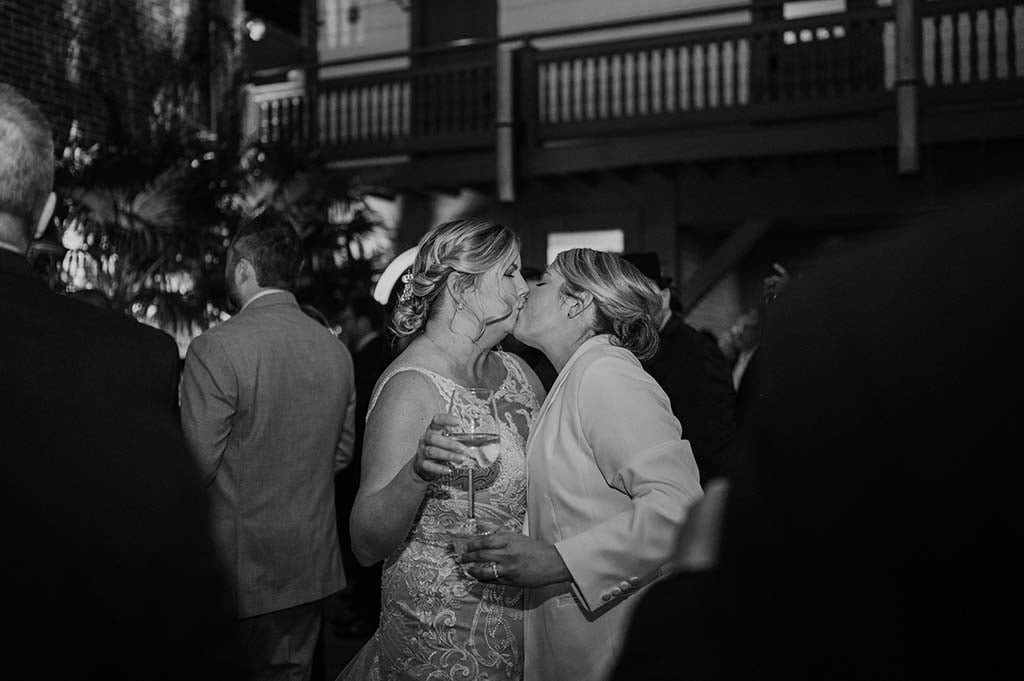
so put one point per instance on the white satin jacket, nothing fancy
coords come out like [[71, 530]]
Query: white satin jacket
[[609, 484]]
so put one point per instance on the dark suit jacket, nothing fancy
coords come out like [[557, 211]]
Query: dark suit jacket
[[693, 372], [108, 567], [873, 522], [64, 347], [369, 362]]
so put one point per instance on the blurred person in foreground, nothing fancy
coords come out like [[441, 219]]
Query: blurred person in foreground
[[871, 528], [268, 409], [610, 477], [695, 375], [463, 295], [77, 351], [108, 563]]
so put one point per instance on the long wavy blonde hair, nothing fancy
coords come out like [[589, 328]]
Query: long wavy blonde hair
[[627, 305], [459, 252]]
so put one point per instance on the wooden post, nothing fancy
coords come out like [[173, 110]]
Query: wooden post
[[908, 58], [310, 133], [505, 137]]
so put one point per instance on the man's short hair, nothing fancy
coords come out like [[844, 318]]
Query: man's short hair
[[270, 243], [26, 158], [366, 306]]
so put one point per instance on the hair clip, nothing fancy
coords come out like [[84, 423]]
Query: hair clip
[[406, 293]]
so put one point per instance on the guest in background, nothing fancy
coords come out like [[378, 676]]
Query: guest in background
[[58, 345], [268, 407], [747, 333], [693, 372], [609, 476], [540, 364], [362, 324], [871, 528]]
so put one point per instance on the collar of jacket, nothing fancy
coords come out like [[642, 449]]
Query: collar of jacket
[[270, 299]]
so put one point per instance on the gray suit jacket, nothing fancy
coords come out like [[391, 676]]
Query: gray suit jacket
[[268, 409]]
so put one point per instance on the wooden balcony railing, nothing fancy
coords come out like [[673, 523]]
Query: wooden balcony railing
[[419, 109], [839, 64]]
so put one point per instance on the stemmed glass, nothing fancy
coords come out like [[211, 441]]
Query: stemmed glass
[[479, 432]]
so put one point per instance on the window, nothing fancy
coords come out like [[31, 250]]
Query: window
[[611, 240]]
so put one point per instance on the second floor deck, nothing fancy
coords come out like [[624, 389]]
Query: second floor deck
[[750, 88]]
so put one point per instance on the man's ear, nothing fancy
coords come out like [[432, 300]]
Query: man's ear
[[244, 271], [44, 217]]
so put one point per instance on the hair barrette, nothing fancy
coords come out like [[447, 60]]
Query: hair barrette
[[406, 293]]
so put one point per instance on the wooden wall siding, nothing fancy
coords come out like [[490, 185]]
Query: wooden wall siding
[[830, 65]]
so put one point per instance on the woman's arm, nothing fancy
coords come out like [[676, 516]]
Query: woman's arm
[[403, 451], [636, 443]]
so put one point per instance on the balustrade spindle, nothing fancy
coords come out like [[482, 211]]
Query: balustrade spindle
[[947, 48], [1015, 44], [616, 79], [964, 29], [668, 67], [565, 91], [577, 89], [642, 99], [699, 80], [685, 81], [602, 87], [590, 88]]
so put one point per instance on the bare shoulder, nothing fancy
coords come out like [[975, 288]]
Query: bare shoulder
[[405, 391]]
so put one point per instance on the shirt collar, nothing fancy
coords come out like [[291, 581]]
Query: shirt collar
[[264, 292]]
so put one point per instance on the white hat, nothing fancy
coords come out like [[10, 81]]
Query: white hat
[[391, 273]]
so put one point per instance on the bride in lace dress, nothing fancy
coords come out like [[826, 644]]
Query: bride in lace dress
[[462, 299]]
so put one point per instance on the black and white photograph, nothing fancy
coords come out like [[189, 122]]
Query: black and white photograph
[[511, 340]]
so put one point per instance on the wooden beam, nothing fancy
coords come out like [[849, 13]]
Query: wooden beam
[[737, 244], [908, 56]]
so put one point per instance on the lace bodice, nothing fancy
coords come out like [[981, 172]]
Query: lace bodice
[[500, 488]]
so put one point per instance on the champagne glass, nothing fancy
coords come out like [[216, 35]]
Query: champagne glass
[[478, 431]]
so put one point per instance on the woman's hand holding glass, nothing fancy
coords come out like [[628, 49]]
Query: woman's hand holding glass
[[437, 453]]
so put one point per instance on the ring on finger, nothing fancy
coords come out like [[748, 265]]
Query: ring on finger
[[494, 570]]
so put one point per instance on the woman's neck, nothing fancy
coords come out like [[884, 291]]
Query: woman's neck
[[465, 359], [560, 353]]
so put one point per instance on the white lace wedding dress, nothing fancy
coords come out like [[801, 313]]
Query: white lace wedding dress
[[436, 624]]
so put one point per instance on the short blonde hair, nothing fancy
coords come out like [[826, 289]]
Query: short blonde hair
[[627, 305], [460, 251]]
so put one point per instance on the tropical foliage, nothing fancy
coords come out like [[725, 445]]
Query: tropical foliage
[[146, 213]]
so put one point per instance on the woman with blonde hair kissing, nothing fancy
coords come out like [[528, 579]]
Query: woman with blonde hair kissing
[[610, 478], [462, 295]]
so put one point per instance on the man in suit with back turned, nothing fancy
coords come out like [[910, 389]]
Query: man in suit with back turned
[[109, 569], [60, 346], [267, 406]]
